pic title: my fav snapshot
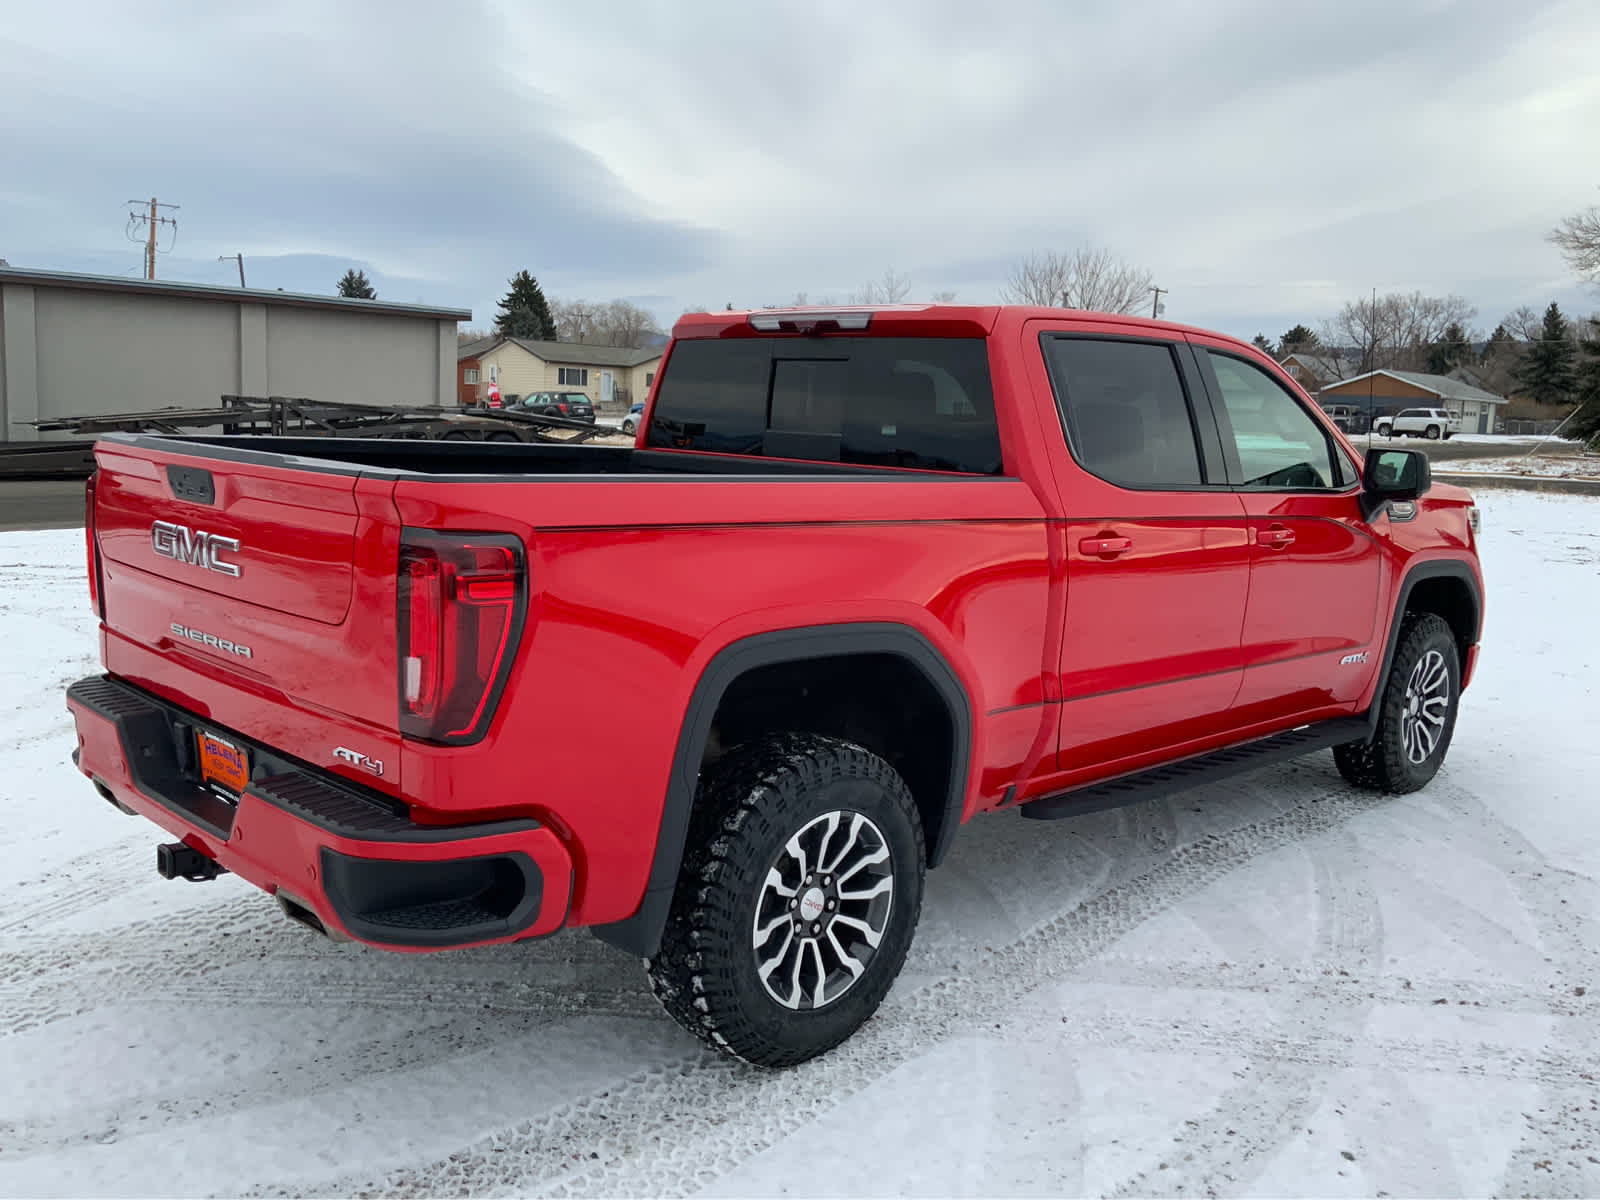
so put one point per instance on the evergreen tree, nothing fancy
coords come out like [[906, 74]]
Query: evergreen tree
[[1298, 338], [524, 312], [1264, 344], [1451, 350], [1499, 343], [1585, 424], [1546, 371], [354, 285]]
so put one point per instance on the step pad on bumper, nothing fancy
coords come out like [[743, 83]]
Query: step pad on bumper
[[344, 860], [155, 738]]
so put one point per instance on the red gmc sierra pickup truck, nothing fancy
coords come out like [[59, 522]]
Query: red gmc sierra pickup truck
[[723, 696]]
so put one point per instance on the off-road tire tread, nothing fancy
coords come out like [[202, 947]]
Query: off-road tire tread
[[740, 797]]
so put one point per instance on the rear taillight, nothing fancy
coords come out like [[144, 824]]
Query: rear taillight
[[92, 551], [463, 598]]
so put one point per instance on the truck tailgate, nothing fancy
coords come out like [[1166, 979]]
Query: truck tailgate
[[257, 594]]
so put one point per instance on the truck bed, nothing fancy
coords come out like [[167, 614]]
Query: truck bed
[[490, 460]]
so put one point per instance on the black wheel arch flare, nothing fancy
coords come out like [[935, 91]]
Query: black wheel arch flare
[[640, 934], [1438, 568]]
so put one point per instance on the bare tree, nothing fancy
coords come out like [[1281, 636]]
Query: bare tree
[[621, 323], [463, 336], [1398, 330], [576, 320], [1524, 322], [1578, 238], [890, 288], [944, 297], [1090, 278], [615, 323]]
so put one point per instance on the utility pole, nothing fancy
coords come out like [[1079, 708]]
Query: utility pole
[[239, 258], [1372, 362], [1155, 304], [153, 222]]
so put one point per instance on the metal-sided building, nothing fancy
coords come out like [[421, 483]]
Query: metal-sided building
[[86, 345]]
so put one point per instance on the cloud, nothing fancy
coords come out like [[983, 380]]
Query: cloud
[[1264, 168]]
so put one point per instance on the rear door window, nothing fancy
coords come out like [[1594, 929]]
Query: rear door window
[[923, 403], [1126, 414]]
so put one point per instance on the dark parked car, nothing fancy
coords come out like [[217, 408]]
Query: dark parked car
[[575, 405]]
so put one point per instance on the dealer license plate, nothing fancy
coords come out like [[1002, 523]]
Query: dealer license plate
[[222, 764]]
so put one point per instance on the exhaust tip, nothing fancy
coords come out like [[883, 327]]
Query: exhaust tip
[[302, 914], [110, 798]]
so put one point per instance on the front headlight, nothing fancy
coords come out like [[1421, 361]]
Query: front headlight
[[1474, 519]]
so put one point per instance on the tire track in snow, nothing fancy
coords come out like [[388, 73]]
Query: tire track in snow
[[85, 880], [672, 1130], [243, 952], [1338, 988], [1231, 1140], [1326, 1050], [1557, 1154], [310, 1070]]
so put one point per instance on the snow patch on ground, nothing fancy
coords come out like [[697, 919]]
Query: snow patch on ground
[[1276, 986], [1566, 467]]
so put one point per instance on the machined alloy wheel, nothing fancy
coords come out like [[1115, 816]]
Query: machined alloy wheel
[[1433, 433], [1427, 706], [823, 910], [797, 898]]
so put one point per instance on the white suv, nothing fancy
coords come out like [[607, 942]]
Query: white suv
[[1431, 423]]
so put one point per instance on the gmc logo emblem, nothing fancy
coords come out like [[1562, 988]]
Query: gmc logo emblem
[[194, 546]]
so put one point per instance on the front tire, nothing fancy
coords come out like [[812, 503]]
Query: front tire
[[1433, 433], [800, 889], [1417, 713]]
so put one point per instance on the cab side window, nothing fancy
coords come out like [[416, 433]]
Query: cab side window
[[1279, 444], [1125, 412]]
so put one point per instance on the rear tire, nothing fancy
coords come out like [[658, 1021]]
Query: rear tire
[[800, 889], [1417, 712]]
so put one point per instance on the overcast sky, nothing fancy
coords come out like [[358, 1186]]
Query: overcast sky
[[1266, 160]]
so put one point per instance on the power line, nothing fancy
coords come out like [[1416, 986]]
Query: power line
[[152, 221]]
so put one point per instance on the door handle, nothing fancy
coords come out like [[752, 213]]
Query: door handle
[[1106, 547], [1275, 536]]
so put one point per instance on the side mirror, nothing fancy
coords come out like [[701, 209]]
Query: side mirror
[[1393, 475]]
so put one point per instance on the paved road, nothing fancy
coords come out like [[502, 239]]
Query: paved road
[[41, 504]]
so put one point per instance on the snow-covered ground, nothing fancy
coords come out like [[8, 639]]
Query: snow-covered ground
[[1473, 439], [1279, 986], [1585, 466]]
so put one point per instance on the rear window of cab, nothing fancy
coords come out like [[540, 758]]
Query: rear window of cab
[[923, 403]]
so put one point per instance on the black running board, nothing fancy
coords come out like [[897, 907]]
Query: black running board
[[1196, 772]]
